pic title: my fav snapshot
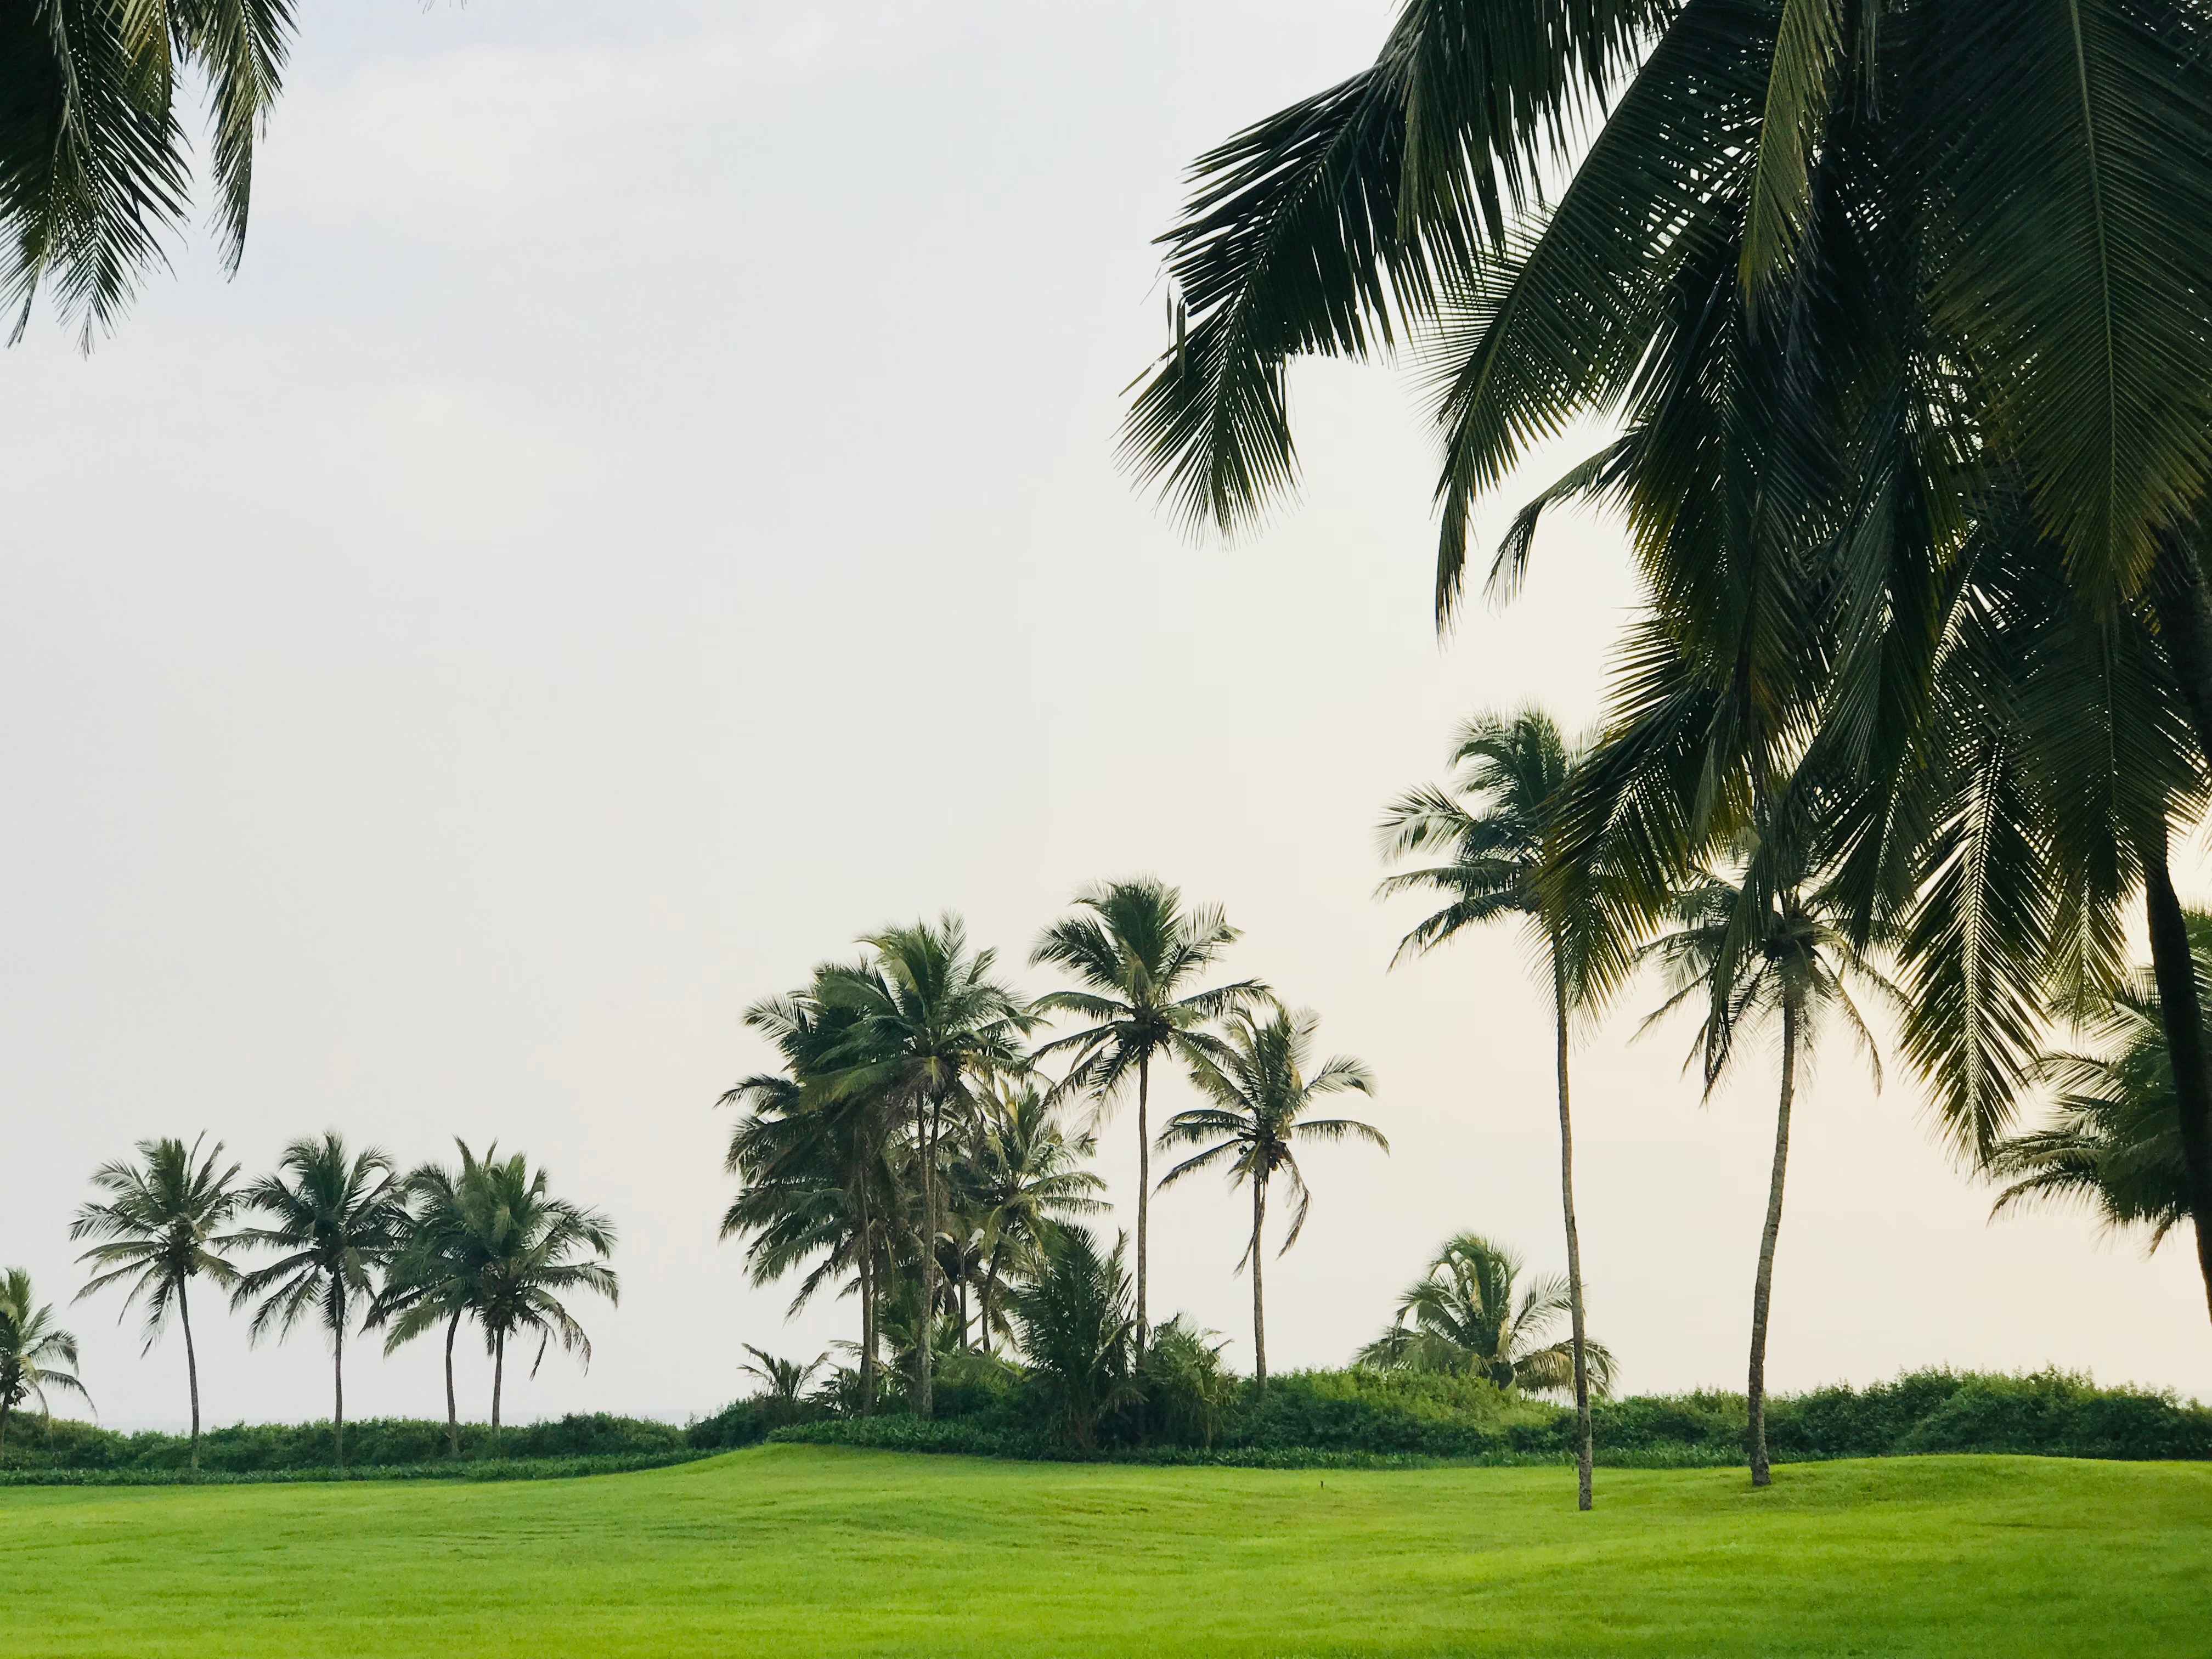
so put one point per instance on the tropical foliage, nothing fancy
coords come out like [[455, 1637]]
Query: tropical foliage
[[1461, 1316], [33, 1351]]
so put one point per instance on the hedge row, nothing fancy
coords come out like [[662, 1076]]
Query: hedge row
[[481, 1469]]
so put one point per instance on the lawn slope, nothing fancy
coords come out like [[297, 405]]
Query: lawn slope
[[792, 1550]]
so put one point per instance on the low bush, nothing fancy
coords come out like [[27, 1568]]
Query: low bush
[[481, 1468], [381, 1442]]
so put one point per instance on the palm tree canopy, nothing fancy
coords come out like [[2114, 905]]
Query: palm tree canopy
[[926, 1016], [1462, 1314], [2112, 1139], [1025, 1175], [1135, 952], [94, 163], [160, 1225], [337, 1219], [536, 1248], [34, 1349], [1263, 1086]]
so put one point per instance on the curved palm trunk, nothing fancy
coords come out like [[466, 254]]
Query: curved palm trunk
[[191, 1365], [1763, 1287], [926, 1367], [1574, 1242], [1144, 1190], [498, 1377], [453, 1408], [1259, 1295], [2182, 1013]]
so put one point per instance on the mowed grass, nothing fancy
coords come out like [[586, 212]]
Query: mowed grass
[[794, 1551]]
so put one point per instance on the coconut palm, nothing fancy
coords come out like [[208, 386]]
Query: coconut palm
[[535, 1248], [1460, 1315], [1263, 1085], [1077, 1324], [1137, 954], [1023, 1178], [94, 162], [1493, 823], [160, 1228], [436, 1275], [929, 1024], [338, 1219], [785, 1380], [32, 1351], [2112, 1141], [1747, 953]]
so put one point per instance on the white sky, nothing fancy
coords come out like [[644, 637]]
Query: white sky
[[646, 514]]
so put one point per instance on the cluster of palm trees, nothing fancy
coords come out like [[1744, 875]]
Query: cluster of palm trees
[[357, 1246], [1898, 306], [914, 1149]]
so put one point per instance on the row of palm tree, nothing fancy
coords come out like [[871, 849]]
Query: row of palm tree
[[357, 1244], [912, 1150], [1893, 304]]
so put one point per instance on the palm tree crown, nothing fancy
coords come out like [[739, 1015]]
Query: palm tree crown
[[1460, 1315], [32, 1351], [1264, 1086], [160, 1229], [533, 1248]]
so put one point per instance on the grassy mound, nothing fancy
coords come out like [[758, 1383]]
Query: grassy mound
[[802, 1551]]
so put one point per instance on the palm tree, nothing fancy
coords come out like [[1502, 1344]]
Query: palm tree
[[534, 1247], [1262, 1089], [786, 1379], [929, 1024], [32, 1351], [1077, 1325], [2112, 1141], [1747, 953], [1136, 952], [94, 164], [1024, 1176], [436, 1273], [1460, 1315], [338, 1219], [1494, 823], [160, 1228]]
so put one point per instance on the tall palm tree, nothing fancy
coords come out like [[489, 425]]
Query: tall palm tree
[[94, 164], [1745, 954], [436, 1274], [32, 1351], [535, 1248], [338, 1219], [820, 1178], [1494, 823], [1137, 953], [1460, 1315], [2113, 1138], [1263, 1085], [1024, 1177], [160, 1228], [929, 1024]]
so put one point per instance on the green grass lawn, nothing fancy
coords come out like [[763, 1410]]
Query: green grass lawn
[[790, 1551]]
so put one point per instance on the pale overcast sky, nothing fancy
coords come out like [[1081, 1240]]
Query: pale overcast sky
[[645, 513]]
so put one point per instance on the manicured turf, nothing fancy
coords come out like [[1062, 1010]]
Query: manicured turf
[[791, 1551]]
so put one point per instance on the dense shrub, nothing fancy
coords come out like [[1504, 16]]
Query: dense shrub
[[373, 1442]]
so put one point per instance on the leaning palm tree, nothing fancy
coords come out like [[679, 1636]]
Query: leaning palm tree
[[32, 1351], [1460, 1315], [1493, 825], [1262, 1091], [160, 1228], [436, 1274], [929, 1024], [1746, 954], [1137, 954], [338, 1219], [535, 1248], [94, 163], [2112, 1141]]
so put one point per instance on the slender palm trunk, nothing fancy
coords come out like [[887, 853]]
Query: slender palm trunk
[[3, 1424], [989, 1296], [498, 1377], [1259, 1294], [2181, 1011], [960, 1289], [1144, 1190], [925, 1366], [453, 1407], [1763, 1287], [338, 1379], [1582, 1435], [191, 1366], [867, 1318]]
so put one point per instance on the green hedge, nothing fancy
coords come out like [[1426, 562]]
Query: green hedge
[[480, 1468], [379, 1443]]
